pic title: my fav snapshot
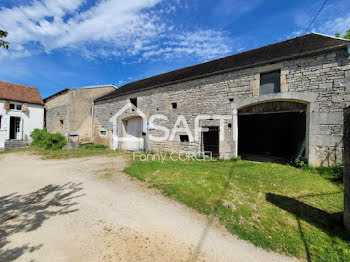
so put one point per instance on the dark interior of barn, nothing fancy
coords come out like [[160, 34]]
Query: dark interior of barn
[[273, 137]]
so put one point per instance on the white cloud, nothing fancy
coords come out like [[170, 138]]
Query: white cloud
[[207, 44], [339, 24], [333, 18], [110, 28]]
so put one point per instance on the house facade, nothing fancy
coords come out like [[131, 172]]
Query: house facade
[[280, 101], [69, 111], [21, 111]]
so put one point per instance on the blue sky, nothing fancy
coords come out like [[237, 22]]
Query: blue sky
[[55, 44]]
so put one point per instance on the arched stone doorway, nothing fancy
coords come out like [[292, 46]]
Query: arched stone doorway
[[273, 131]]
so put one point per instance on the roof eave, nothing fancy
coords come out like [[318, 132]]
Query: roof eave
[[55, 94], [21, 101], [76, 88], [280, 59]]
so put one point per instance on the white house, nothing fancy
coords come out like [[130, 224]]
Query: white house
[[21, 111]]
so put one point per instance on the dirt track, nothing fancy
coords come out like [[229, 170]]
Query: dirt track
[[88, 210]]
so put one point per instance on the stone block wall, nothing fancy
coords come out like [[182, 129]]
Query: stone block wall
[[347, 168], [324, 77], [56, 111], [71, 111], [57, 119]]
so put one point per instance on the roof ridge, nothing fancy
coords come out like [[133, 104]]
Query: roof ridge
[[90, 87], [307, 44], [225, 57], [217, 59], [330, 36]]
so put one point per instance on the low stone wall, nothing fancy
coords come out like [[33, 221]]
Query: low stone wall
[[347, 168]]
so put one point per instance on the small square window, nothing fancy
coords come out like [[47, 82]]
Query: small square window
[[270, 83], [61, 122], [12, 106], [133, 101], [18, 107], [231, 99], [174, 105], [103, 132], [184, 138]]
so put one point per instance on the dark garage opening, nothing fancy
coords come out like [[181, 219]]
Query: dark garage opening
[[273, 136]]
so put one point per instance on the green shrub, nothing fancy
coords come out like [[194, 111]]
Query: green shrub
[[42, 138], [334, 173], [38, 136], [92, 146], [300, 162]]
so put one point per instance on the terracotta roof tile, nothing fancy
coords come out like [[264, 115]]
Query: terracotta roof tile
[[20, 93]]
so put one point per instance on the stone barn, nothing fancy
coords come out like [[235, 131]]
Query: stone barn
[[69, 111], [275, 103]]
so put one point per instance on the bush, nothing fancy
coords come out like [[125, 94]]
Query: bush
[[42, 138], [92, 146], [300, 162], [334, 173], [38, 136]]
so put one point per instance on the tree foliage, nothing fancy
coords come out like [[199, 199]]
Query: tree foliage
[[3, 43], [346, 36]]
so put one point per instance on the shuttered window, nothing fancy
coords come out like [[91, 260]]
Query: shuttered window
[[270, 83]]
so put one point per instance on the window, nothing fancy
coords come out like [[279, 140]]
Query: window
[[231, 99], [0, 122], [133, 101], [270, 82], [174, 105], [16, 106], [103, 132], [184, 138], [61, 122]]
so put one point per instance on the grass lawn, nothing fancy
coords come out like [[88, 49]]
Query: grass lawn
[[281, 208]]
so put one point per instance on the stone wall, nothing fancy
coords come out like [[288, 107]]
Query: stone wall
[[57, 114], [80, 110], [71, 111], [324, 77], [347, 168], [57, 119]]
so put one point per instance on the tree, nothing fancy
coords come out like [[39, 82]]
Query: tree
[[346, 36], [3, 43]]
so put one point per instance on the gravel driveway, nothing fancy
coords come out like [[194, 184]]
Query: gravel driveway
[[88, 210]]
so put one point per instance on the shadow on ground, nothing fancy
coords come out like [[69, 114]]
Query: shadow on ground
[[25, 213], [330, 223]]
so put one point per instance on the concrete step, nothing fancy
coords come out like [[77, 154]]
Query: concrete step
[[14, 144]]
